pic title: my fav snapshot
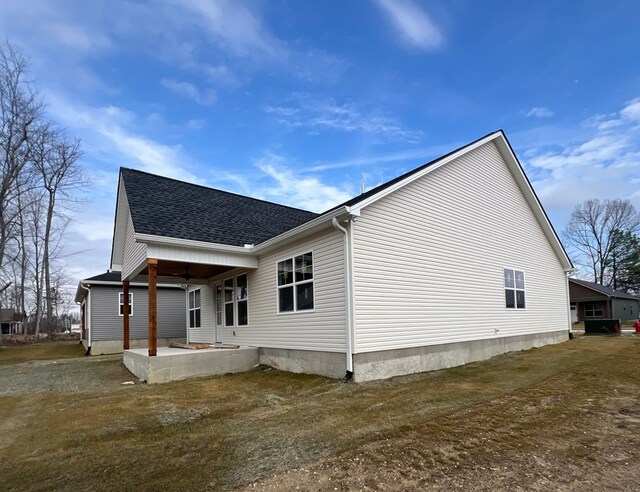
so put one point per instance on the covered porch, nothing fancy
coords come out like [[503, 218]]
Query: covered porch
[[162, 364]]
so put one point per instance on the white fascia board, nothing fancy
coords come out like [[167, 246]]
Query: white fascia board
[[89, 283], [307, 226], [189, 243], [532, 199], [355, 209]]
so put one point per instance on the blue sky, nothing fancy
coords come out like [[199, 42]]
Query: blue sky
[[299, 102]]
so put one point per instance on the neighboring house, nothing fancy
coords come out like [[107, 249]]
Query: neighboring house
[[452, 262], [101, 311], [594, 301], [9, 322]]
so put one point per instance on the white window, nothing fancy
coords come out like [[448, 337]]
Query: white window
[[121, 303], [236, 301], [295, 284], [194, 309], [514, 292]]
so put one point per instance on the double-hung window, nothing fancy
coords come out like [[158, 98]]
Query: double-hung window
[[236, 301], [121, 303], [514, 291], [295, 284], [194, 309]]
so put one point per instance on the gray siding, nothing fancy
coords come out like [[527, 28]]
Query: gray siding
[[429, 259], [106, 323], [625, 309]]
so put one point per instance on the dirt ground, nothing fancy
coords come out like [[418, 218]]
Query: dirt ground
[[563, 417]]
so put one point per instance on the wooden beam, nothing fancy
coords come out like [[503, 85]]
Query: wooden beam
[[152, 265], [125, 314]]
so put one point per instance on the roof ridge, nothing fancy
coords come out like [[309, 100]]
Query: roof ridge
[[209, 188], [413, 171]]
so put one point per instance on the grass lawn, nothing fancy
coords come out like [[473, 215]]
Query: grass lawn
[[14, 354], [534, 419]]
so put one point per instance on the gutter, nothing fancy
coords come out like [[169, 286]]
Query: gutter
[[348, 294], [88, 317]]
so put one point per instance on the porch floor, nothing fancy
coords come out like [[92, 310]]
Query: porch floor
[[173, 364]]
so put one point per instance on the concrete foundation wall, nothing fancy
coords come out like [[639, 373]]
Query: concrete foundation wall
[[172, 364], [330, 364], [385, 364], [115, 346]]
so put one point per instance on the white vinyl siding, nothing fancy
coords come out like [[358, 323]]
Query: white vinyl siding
[[323, 328], [205, 332], [134, 253], [429, 259]]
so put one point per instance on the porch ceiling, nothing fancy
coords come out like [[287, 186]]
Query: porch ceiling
[[167, 268]]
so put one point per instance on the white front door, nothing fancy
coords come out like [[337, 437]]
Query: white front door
[[219, 309], [574, 314]]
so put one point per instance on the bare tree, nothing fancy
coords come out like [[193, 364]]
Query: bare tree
[[19, 110], [591, 232], [55, 157]]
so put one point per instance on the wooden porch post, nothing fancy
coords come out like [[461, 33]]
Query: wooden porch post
[[152, 264], [125, 314]]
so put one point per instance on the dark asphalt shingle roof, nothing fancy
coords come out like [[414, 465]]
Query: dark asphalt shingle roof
[[112, 276], [602, 289], [167, 207]]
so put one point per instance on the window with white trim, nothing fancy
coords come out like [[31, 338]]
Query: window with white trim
[[121, 303], [242, 299], [194, 309], [228, 288], [295, 284], [236, 300], [514, 291]]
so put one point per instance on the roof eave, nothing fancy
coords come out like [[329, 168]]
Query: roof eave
[[301, 229]]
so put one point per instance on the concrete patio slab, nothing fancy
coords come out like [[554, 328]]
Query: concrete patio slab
[[173, 364]]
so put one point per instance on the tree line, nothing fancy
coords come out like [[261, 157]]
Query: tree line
[[605, 242], [40, 170]]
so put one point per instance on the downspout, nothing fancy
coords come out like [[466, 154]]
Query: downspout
[[566, 281], [88, 318], [349, 307]]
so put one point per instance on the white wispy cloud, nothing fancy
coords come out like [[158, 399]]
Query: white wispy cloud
[[204, 97], [413, 157], [289, 187], [240, 28], [413, 24], [107, 131], [539, 112], [602, 162], [316, 114]]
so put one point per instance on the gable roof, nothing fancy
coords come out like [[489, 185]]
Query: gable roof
[[602, 289], [506, 150], [183, 211], [167, 207]]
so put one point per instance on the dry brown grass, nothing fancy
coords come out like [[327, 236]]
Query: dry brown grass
[[308, 431], [14, 354]]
